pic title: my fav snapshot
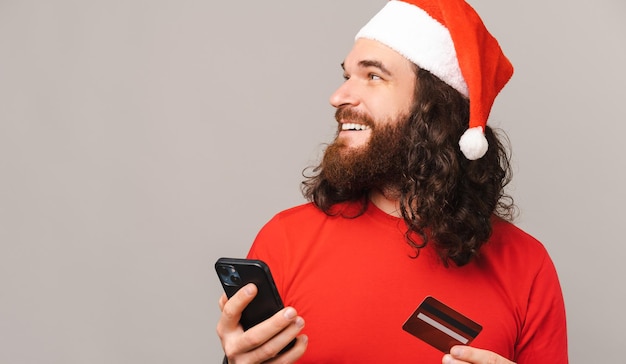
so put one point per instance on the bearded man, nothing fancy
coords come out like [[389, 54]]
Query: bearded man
[[408, 202]]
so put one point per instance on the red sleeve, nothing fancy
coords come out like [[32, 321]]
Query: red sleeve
[[270, 246], [544, 334]]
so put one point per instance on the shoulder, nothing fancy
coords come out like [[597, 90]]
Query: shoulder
[[300, 225], [519, 261], [296, 215], [291, 221], [309, 212], [514, 248], [508, 235], [299, 211]]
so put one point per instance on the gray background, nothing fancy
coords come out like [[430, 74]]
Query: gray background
[[142, 140]]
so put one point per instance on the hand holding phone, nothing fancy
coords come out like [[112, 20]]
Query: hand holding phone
[[235, 273]]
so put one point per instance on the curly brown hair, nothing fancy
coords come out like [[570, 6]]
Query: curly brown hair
[[444, 197]]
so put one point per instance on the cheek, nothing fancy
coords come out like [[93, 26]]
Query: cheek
[[405, 100], [382, 109], [387, 107]]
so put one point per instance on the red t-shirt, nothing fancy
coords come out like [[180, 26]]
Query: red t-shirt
[[354, 282]]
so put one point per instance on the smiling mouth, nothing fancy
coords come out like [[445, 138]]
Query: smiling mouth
[[353, 127]]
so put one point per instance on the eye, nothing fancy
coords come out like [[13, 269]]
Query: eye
[[346, 77], [374, 77]]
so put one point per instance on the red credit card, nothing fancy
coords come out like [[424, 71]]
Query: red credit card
[[441, 326]]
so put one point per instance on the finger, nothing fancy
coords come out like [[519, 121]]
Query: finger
[[477, 356], [231, 311], [281, 340], [448, 359], [283, 324], [294, 353], [265, 340], [222, 301]]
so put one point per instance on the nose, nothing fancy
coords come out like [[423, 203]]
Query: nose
[[344, 95]]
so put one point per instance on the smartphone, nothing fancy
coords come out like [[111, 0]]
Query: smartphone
[[235, 273]]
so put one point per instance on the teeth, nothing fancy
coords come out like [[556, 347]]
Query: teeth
[[353, 126]]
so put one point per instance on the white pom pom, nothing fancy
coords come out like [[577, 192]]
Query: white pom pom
[[473, 143]]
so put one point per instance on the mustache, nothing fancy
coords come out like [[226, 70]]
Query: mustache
[[354, 116]]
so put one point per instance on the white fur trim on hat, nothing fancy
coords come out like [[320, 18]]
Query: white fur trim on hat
[[416, 35], [473, 143]]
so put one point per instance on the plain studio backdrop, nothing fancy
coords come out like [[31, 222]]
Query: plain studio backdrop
[[141, 140]]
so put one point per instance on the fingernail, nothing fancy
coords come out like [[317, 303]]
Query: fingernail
[[300, 322], [456, 351], [447, 359], [305, 339], [249, 290], [289, 313]]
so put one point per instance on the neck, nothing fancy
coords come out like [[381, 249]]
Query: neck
[[386, 201]]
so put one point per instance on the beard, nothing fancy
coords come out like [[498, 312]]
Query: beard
[[379, 164]]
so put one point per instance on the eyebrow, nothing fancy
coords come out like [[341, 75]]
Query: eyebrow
[[371, 63]]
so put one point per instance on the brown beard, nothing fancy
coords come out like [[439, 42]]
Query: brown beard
[[380, 164]]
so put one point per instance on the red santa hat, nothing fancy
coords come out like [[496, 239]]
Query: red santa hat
[[448, 38]]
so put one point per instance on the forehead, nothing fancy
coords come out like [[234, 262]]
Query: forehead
[[371, 50]]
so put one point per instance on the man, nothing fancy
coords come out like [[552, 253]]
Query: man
[[407, 202]]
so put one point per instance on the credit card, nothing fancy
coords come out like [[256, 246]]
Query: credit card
[[441, 326]]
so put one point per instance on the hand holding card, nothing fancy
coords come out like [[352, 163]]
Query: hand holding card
[[441, 326]]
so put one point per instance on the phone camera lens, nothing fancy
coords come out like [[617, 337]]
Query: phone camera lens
[[222, 270], [235, 279]]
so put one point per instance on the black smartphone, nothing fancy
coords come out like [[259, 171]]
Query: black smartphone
[[235, 273]]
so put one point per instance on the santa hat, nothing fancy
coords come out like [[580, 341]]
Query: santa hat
[[448, 38]]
